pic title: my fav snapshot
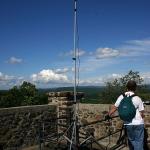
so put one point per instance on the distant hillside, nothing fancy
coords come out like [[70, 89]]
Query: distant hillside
[[92, 93]]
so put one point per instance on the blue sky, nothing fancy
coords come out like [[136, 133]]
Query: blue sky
[[36, 41]]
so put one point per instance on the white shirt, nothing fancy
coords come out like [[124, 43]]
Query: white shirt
[[137, 120]]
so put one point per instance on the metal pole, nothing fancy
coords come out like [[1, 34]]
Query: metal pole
[[75, 128], [75, 51]]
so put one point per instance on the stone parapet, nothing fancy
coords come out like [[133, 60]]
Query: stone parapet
[[21, 126], [89, 113], [65, 106], [68, 94], [93, 112]]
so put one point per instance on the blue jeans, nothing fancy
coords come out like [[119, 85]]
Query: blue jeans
[[135, 135]]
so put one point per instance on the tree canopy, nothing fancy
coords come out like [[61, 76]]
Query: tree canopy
[[117, 86], [25, 94]]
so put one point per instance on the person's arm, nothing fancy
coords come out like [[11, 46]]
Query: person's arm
[[141, 107], [142, 113], [115, 106], [113, 109]]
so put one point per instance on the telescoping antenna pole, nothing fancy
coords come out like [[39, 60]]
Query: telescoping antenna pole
[[75, 137], [75, 50]]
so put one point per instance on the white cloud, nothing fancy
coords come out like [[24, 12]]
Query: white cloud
[[145, 42], [114, 75], [136, 47], [130, 48], [99, 80], [49, 76], [92, 82], [146, 77], [79, 53], [4, 77], [14, 60], [7, 81], [106, 53], [103, 57], [60, 71]]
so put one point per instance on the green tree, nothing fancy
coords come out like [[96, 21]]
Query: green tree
[[131, 76], [15, 96], [25, 94], [117, 86], [28, 91]]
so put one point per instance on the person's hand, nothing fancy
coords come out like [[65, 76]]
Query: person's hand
[[98, 117], [108, 117]]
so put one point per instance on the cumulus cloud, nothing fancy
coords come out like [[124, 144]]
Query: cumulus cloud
[[80, 53], [92, 82], [128, 49], [4, 77], [7, 81], [145, 42], [60, 71], [100, 80], [136, 47], [146, 77], [49, 76], [111, 77], [14, 60], [115, 75], [71, 53], [106, 53]]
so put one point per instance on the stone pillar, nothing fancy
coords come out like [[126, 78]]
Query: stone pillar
[[65, 103]]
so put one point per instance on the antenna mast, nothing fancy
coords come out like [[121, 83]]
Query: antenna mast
[[75, 136], [75, 49]]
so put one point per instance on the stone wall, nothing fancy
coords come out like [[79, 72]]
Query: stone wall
[[65, 106], [92, 112], [21, 126], [88, 113]]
